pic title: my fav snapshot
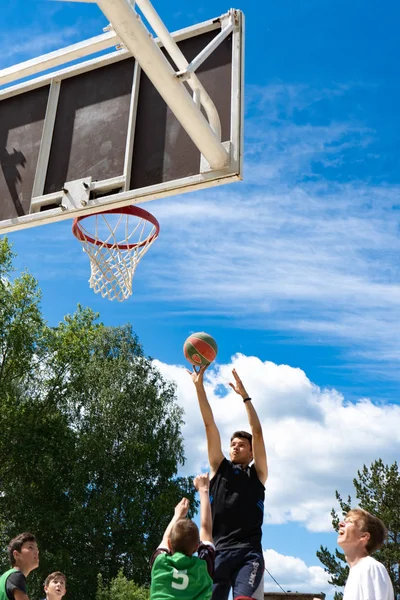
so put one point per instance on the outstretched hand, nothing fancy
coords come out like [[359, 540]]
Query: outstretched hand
[[197, 374], [202, 482], [238, 386], [181, 509]]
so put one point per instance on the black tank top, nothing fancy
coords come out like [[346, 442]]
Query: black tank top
[[237, 505]]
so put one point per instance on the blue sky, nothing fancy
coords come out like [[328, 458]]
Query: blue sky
[[294, 270]]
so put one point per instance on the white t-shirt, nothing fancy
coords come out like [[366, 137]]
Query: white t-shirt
[[368, 580]]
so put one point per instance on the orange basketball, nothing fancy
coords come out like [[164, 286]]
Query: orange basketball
[[200, 348]]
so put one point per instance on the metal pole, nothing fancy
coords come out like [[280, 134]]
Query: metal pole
[[137, 40], [58, 57], [179, 58]]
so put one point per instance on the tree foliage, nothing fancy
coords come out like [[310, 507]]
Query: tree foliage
[[121, 588], [90, 441], [378, 491]]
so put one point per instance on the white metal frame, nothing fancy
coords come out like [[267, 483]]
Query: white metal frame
[[55, 59], [224, 159], [131, 126], [47, 135], [59, 57]]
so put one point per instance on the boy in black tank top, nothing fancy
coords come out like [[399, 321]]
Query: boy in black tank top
[[237, 499]]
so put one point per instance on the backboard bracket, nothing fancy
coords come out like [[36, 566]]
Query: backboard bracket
[[76, 193]]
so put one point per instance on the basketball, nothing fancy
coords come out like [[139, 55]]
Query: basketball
[[200, 348]]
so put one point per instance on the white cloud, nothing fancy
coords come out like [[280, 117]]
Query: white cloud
[[315, 440], [294, 575]]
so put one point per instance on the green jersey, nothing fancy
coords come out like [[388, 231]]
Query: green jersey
[[180, 577], [3, 581]]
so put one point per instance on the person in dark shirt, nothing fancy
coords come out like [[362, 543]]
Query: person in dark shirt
[[237, 499], [24, 557]]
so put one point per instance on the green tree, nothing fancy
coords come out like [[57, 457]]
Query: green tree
[[22, 328], [121, 588], [378, 491], [35, 436], [90, 441]]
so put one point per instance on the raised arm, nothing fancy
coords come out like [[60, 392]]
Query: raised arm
[[180, 512], [259, 453], [215, 455], [202, 485]]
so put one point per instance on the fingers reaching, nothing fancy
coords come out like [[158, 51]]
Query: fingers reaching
[[236, 376], [238, 386], [202, 482], [181, 509], [197, 372]]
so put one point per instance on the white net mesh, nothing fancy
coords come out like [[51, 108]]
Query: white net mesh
[[112, 263]]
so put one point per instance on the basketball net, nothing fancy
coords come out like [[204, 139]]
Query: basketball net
[[115, 242]]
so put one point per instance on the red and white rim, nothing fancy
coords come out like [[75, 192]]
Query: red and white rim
[[133, 211]]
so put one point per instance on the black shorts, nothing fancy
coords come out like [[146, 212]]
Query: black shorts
[[239, 569]]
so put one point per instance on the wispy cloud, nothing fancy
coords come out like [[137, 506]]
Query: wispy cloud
[[318, 260], [283, 101], [289, 132]]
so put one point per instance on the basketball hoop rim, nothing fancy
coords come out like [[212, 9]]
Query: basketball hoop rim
[[134, 211]]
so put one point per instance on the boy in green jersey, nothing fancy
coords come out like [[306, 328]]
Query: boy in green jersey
[[176, 574], [24, 558]]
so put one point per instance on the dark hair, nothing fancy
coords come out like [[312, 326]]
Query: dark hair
[[184, 537], [372, 525], [55, 575], [17, 543], [244, 435]]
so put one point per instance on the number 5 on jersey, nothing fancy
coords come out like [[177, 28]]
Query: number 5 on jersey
[[181, 580]]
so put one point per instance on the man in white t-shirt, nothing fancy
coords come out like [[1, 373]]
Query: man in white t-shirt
[[361, 534]]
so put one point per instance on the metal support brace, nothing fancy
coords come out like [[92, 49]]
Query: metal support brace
[[206, 52], [131, 126], [45, 143], [179, 59]]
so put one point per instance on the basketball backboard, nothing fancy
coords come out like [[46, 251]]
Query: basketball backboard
[[98, 134]]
